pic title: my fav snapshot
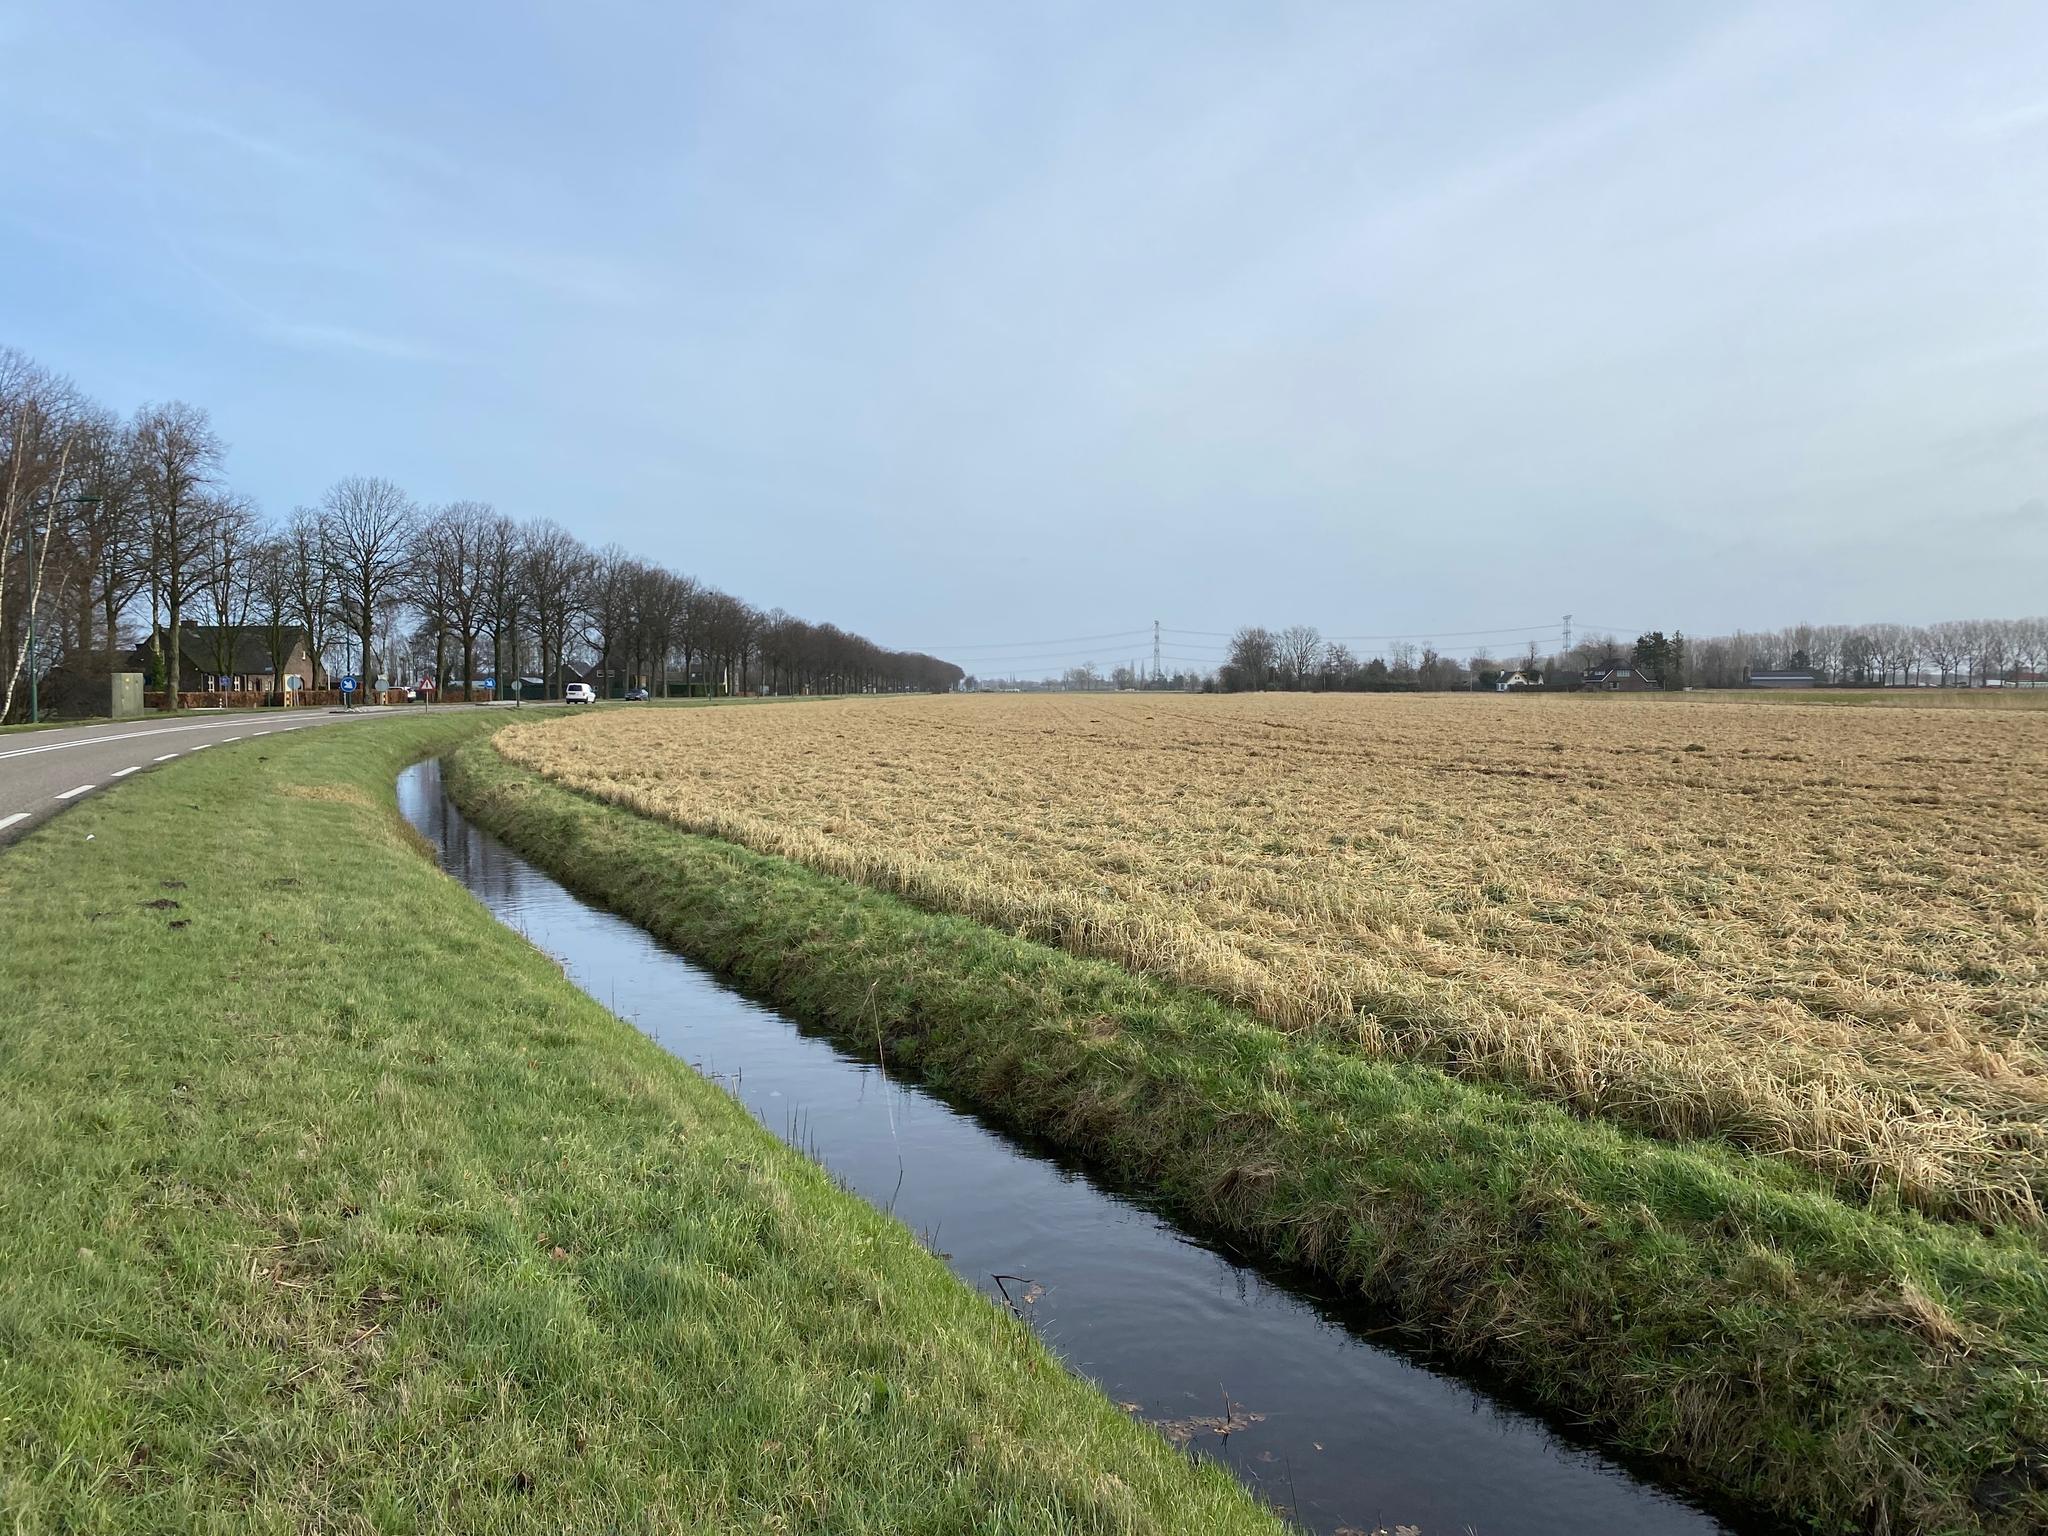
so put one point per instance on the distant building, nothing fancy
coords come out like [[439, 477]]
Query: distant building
[[249, 670], [1618, 680], [1791, 679]]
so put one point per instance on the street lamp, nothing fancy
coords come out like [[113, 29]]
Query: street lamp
[[35, 705]]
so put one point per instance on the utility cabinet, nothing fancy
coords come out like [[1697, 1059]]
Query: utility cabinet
[[124, 695]]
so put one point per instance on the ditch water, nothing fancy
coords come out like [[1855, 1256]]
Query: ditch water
[[1340, 1432]]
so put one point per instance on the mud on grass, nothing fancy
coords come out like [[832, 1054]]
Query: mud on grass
[[340, 1209], [1843, 1367]]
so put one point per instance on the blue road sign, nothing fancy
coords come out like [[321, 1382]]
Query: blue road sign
[[348, 684]]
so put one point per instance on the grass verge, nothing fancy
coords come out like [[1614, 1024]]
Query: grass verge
[[329, 1204], [1842, 1367]]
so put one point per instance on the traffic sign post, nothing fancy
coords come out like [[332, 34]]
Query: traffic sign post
[[348, 692]]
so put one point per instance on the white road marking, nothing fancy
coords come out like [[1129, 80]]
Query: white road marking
[[93, 741], [8, 821], [165, 758], [226, 739], [202, 746], [259, 733], [73, 794], [122, 773]]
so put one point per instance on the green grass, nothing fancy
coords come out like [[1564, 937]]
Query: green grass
[[328, 1204], [1844, 1367]]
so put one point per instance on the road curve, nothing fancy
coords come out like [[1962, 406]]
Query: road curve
[[44, 772]]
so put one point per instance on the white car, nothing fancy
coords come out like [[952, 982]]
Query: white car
[[579, 693]]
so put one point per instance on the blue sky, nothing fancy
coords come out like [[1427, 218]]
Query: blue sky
[[970, 324]]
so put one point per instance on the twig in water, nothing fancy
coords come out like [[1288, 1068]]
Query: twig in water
[[1031, 1295]]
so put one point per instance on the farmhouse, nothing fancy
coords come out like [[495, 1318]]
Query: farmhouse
[[247, 653], [1618, 680]]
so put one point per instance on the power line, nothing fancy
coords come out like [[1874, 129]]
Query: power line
[[1412, 634], [1019, 645], [993, 655]]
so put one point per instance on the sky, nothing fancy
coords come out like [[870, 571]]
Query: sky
[[980, 328]]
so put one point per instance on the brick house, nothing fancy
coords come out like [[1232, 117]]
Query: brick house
[[248, 656]]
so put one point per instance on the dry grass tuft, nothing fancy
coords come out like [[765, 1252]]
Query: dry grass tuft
[[1818, 932]]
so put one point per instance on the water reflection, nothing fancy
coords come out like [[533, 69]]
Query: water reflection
[[1321, 1421]]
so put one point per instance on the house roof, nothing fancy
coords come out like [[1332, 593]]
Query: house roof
[[250, 654]]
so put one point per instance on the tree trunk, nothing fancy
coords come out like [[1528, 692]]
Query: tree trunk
[[112, 616], [173, 653]]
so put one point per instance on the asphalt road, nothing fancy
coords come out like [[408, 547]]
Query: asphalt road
[[42, 772]]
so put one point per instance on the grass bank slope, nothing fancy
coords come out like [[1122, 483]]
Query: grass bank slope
[[329, 1204], [1848, 1368]]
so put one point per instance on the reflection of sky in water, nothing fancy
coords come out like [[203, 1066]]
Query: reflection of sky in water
[[1355, 1435]]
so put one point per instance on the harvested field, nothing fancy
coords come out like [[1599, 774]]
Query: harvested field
[[1818, 932]]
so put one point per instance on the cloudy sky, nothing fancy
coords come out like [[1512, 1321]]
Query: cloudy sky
[[970, 325]]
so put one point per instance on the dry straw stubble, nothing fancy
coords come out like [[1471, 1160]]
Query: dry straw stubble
[[1815, 932]]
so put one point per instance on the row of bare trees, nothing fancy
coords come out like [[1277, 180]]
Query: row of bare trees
[[1954, 653], [99, 516], [1299, 659], [115, 531]]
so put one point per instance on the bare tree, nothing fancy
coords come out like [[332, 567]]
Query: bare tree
[[232, 532], [503, 598], [1947, 645], [431, 578], [38, 420], [367, 526], [177, 460], [609, 613], [553, 564], [463, 537], [273, 599], [309, 583], [1253, 655], [1297, 651], [113, 530]]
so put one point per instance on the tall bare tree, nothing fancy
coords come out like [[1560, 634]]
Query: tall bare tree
[[113, 530], [39, 414], [309, 579], [177, 462], [609, 612], [456, 544], [232, 533], [553, 567], [503, 599], [1299, 648], [367, 527]]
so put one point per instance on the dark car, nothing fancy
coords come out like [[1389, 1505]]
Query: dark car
[[636, 695]]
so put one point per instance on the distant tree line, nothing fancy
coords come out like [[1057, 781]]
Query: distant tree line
[[1958, 653], [1299, 659], [1954, 653], [116, 531]]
